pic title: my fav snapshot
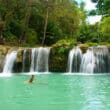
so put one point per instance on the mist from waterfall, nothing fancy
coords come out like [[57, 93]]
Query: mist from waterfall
[[9, 62]]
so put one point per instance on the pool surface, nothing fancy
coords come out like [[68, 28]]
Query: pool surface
[[55, 92]]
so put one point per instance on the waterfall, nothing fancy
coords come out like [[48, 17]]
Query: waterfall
[[74, 60], [95, 60], [39, 59], [109, 62], [9, 62], [88, 62], [102, 58], [33, 59]]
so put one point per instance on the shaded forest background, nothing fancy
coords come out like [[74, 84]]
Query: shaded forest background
[[46, 22]]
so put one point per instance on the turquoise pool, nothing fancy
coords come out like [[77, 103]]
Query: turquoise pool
[[55, 92]]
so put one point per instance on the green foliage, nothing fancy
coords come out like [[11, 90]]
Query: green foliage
[[54, 33], [64, 45], [60, 23], [1, 25], [89, 33], [60, 52], [10, 37], [16, 28], [103, 7], [92, 13], [105, 29], [31, 37], [83, 13], [91, 44], [20, 15], [24, 20]]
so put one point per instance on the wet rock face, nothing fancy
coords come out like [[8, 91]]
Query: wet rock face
[[21, 66], [27, 61], [58, 59], [2, 57]]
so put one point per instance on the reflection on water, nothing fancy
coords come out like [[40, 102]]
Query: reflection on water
[[55, 92]]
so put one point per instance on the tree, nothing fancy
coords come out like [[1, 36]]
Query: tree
[[46, 23], [83, 13], [92, 13], [51, 20], [103, 7], [57, 24], [105, 29], [89, 33], [26, 20]]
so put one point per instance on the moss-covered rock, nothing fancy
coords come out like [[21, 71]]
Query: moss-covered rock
[[2, 57], [83, 47], [59, 55], [18, 66]]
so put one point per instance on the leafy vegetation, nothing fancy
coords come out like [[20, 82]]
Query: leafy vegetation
[[103, 7], [105, 29], [50, 22]]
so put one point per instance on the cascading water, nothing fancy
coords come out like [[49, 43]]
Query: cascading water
[[74, 60], [88, 62], [109, 62], [101, 54], [33, 53], [39, 59], [9, 62], [95, 60]]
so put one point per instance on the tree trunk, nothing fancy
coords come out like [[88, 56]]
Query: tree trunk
[[45, 26], [26, 21]]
